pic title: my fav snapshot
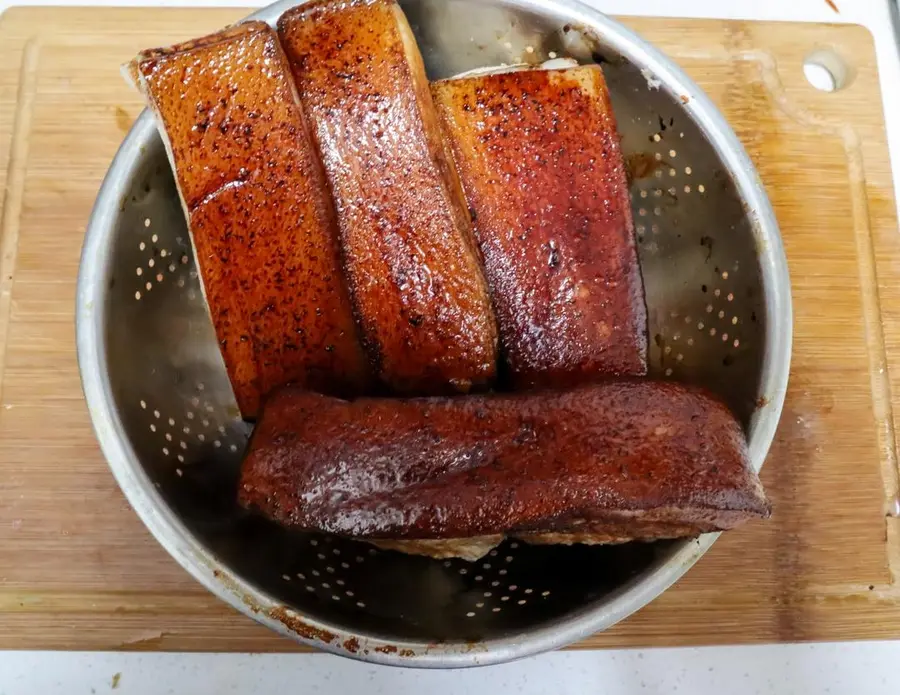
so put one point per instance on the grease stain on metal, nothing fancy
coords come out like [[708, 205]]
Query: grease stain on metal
[[296, 625]]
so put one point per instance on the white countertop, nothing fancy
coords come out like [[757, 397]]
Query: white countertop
[[860, 668]]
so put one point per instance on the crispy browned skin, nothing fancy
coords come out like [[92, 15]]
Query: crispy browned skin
[[538, 154], [418, 289], [608, 462], [259, 212]]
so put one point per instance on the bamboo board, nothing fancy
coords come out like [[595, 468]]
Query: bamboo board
[[79, 571]]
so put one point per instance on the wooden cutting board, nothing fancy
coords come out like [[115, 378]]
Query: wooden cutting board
[[79, 571]]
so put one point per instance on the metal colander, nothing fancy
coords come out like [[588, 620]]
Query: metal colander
[[719, 310]]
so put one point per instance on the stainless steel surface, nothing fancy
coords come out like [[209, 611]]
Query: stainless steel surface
[[718, 296], [895, 20]]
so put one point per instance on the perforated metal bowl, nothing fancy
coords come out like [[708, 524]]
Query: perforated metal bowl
[[719, 306]]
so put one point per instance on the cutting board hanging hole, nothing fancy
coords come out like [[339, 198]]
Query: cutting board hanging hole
[[826, 70]]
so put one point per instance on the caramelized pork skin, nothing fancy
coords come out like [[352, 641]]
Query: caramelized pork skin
[[259, 212], [610, 462], [417, 284], [539, 156]]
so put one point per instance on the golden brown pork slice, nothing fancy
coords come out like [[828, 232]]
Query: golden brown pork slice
[[259, 212], [538, 154], [414, 274], [604, 463]]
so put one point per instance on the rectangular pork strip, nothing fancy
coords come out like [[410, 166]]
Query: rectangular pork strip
[[539, 157], [259, 212], [611, 462], [415, 277]]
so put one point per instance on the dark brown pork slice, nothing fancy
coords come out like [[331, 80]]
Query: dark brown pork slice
[[258, 210], [608, 462], [539, 157], [418, 288]]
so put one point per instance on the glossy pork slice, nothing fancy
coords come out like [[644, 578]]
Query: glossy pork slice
[[538, 153], [414, 274], [610, 462], [259, 212]]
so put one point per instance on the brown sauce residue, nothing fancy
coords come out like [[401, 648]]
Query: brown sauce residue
[[299, 627], [641, 165]]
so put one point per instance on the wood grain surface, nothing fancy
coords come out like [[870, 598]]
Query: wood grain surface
[[79, 571]]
